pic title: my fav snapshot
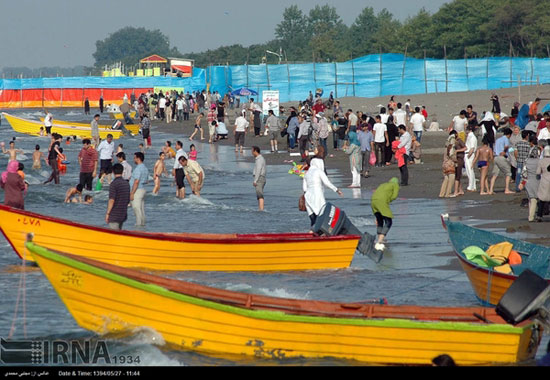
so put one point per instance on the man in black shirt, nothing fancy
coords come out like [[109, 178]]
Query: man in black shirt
[[119, 197]]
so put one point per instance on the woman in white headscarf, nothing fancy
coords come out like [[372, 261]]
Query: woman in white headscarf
[[314, 181], [488, 127], [529, 176]]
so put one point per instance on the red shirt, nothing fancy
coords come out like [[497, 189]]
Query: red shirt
[[88, 159], [424, 113], [319, 107]]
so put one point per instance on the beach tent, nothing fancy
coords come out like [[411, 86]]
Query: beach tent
[[545, 109], [523, 116], [244, 92]]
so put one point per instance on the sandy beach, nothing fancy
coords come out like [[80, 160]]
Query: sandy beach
[[498, 210]]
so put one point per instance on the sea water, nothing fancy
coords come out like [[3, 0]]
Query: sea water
[[418, 267]]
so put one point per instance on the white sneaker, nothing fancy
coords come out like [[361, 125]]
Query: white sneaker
[[379, 246]]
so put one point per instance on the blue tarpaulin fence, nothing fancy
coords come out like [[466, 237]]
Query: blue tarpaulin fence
[[381, 75], [368, 76]]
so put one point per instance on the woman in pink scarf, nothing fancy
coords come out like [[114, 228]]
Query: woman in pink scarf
[[13, 186]]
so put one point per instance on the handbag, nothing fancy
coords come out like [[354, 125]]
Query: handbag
[[302, 203], [284, 132], [372, 159]]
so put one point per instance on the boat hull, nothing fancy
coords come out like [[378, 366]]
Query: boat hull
[[30, 127], [119, 116], [105, 300], [133, 128], [488, 284], [178, 252]]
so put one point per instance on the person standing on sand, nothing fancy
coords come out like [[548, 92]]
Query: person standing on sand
[[380, 205], [471, 148], [459, 124], [86, 107], [449, 163], [501, 163], [353, 149], [460, 149], [380, 140], [198, 127], [259, 176], [417, 121], [366, 138], [241, 127], [405, 141], [484, 156], [543, 192], [272, 125], [530, 181], [488, 128]]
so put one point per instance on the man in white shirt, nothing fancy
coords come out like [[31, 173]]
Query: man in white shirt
[[381, 140], [459, 124], [162, 106], [352, 119], [179, 106], [400, 116], [241, 127], [384, 116], [127, 172], [178, 172], [48, 120], [417, 123], [105, 150]]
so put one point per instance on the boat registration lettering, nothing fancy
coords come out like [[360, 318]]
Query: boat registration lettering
[[71, 278], [29, 221]]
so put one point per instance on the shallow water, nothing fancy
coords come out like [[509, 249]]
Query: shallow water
[[417, 268]]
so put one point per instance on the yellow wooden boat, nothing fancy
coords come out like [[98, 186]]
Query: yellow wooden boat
[[133, 128], [31, 127], [178, 252], [107, 299], [488, 284], [119, 116]]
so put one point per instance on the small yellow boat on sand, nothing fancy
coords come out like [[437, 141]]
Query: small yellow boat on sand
[[31, 127], [107, 299], [179, 251], [133, 128]]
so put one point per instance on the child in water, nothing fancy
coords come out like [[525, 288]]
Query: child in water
[[36, 157], [74, 194], [192, 152], [157, 171]]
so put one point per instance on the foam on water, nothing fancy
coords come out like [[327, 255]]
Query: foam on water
[[283, 293]]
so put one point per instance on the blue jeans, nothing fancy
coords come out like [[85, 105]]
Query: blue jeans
[[518, 175], [291, 140], [418, 135]]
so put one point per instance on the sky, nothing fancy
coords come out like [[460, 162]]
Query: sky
[[44, 33]]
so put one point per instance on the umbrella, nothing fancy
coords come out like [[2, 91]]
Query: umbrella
[[244, 92]]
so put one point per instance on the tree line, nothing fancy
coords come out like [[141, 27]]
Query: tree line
[[471, 28]]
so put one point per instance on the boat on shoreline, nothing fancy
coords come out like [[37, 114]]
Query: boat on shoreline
[[489, 284], [179, 251], [107, 299], [32, 127], [133, 128]]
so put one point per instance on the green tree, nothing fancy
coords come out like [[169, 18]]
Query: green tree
[[417, 35], [128, 45], [292, 33], [328, 34]]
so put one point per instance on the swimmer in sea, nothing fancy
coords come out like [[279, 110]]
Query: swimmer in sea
[[36, 157], [11, 151], [74, 194], [483, 157], [158, 170]]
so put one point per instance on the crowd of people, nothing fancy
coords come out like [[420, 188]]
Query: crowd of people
[[389, 137], [522, 157]]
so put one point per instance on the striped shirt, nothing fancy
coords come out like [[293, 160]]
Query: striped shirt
[[523, 149], [119, 190]]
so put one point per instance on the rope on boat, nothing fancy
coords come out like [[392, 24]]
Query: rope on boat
[[21, 295]]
